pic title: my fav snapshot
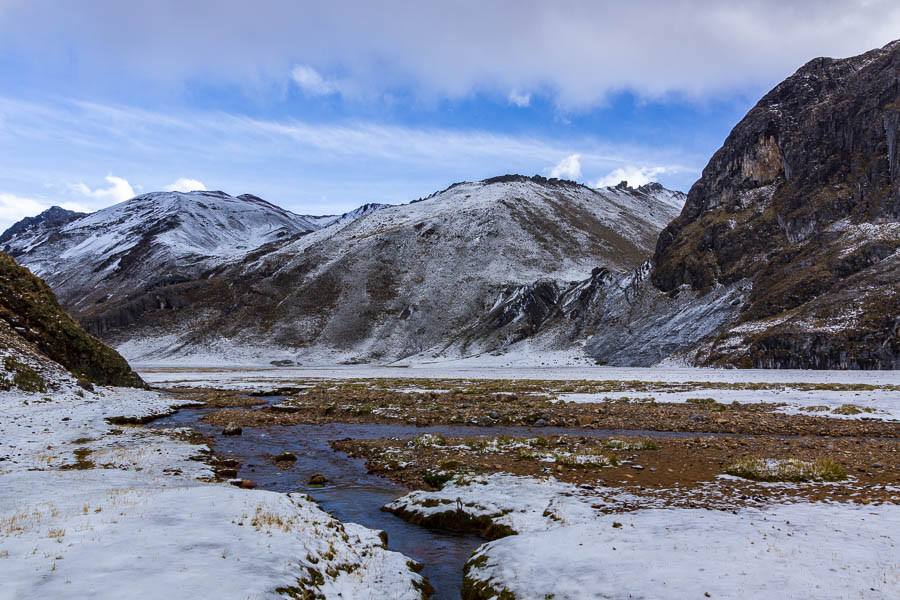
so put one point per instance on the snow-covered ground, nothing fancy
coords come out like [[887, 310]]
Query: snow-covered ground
[[571, 544], [822, 551], [869, 404], [90, 509], [483, 369]]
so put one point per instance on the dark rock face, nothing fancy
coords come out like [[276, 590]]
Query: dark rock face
[[803, 200], [29, 307]]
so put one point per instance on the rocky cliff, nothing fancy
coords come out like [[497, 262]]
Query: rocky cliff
[[802, 204]]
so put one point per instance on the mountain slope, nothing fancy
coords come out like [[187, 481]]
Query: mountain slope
[[33, 329], [379, 283], [802, 204]]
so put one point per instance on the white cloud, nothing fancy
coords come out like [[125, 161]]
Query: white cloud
[[579, 49], [567, 168], [520, 100], [635, 176], [15, 208], [184, 184], [311, 83], [119, 190]]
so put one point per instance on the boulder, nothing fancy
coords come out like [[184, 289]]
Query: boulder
[[318, 479], [232, 428]]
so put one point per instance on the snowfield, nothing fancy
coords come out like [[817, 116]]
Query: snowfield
[[482, 368], [821, 551], [870, 404], [90, 509], [568, 544]]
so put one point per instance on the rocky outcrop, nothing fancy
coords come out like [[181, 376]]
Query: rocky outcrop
[[803, 202], [30, 309]]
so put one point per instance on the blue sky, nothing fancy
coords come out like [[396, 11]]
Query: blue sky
[[322, 107]]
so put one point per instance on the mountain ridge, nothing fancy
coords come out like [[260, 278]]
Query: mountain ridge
[[377, 283]]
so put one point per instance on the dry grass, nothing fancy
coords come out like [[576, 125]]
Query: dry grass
[[631, 445], [787, 469], [851, 409]]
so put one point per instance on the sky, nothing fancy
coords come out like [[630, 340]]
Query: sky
[[321, 107]]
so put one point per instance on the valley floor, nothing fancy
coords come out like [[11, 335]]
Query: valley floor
[[620, 483], [589, 483]]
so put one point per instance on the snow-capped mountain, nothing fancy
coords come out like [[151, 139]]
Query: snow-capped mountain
[[176, 274], [164, 235]]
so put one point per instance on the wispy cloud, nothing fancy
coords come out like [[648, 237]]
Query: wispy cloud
[[519, 99], [311, 82], [288, 161]]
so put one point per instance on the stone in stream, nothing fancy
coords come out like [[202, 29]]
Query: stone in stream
[[232, 428], [318, 479], [286, 457]]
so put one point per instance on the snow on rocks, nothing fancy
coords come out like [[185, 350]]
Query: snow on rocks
[[508, 503], [89, 508]]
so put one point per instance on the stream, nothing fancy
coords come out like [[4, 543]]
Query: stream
[[352, 494]]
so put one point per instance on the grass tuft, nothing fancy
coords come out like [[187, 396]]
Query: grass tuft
[[632, 445], [787, 469]]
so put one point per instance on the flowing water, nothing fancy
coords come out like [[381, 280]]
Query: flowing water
[[352, 493]]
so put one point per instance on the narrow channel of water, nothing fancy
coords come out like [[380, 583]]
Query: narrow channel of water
[[352, 493]]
